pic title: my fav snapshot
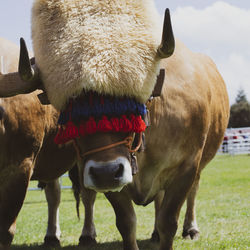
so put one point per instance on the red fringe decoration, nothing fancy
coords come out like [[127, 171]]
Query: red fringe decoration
[[138, 124], [104, 125], [125, 124], [59, 137], [67, 134], [91, 127], [70, 131], [115, 124]]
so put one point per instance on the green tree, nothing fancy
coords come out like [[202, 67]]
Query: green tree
[[240, 111], [241, 96]]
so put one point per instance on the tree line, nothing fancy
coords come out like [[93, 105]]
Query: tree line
[[240, 111]]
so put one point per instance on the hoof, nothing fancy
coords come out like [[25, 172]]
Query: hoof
[[155, 237], [51, 241], [192, 234], [86, 241]]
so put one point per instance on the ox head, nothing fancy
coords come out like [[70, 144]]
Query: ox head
[[107, 157]]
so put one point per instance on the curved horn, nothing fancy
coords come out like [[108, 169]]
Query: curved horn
[[166, 49], [22, 82], [26, 71]]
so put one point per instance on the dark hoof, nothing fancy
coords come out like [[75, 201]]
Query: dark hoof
[[155, 237], [86, 241], [192, 234], [51, 241]]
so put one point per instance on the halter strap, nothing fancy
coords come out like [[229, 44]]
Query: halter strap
[[127, 141]]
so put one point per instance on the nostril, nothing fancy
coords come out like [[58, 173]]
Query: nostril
[[92, 172], [120, 170]]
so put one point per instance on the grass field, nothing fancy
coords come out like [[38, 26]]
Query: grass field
[[223, 212]]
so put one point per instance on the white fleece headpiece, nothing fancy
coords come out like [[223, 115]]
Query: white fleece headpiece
[[107, 46]]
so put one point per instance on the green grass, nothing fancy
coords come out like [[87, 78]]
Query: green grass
[[223, 213]]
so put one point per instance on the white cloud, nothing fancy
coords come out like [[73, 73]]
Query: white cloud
[[223, 32], [236, 73]]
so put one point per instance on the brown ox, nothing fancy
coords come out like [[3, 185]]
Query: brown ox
[[27, 150], [187, 127]]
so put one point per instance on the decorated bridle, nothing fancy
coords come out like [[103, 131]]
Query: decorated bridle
[[128, 141], [118, 115]]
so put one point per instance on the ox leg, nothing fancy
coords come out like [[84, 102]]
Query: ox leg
[[53, 197], [125, 218], [14, 183], [88, 232], [157, 202], [175, 195], [190, 228]]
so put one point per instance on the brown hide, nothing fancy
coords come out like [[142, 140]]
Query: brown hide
[[187, 122], [27, 129]]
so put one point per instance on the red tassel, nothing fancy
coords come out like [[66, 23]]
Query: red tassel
[[125, 124], [82, 128], [104, 125], [65, 135], [71, 131], [138, 124], [91, 127], [59, 137], [115, 124]]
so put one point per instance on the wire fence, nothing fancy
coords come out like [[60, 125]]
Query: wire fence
[[63, 184]]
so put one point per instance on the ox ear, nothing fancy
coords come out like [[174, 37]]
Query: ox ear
[[166, 49], [43, 98], [159, 84]]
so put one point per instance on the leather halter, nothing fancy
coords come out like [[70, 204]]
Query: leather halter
[[127, 141]]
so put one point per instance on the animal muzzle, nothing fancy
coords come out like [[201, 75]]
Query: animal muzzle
[[107, 176]]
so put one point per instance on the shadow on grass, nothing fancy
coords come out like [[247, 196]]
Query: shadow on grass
[[116, 245]]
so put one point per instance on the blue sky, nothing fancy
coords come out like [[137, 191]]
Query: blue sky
[[220, 29]]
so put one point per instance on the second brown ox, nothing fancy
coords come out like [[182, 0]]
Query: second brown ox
[[187, 127], [27, 151]]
